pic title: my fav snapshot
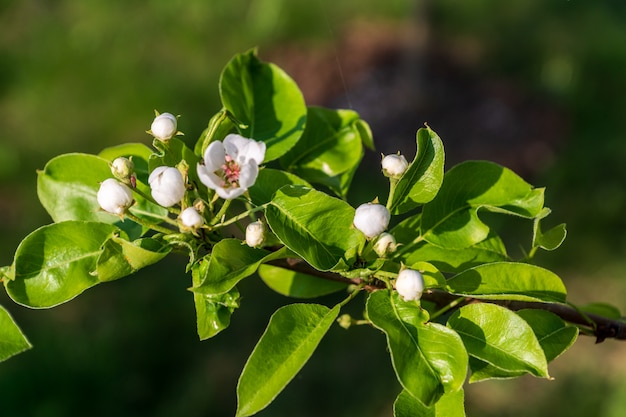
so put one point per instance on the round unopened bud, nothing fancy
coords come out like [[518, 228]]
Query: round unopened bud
[[167, 185], [394, 165], [410, 284], [123, 169], [255, 234], [164, 126], [385, 244], [114, 197], [191, 218], [371, 219]]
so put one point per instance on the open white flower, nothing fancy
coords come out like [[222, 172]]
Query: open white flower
[[167, 185], [371, 219], [232, 166], [410, 284], [191, 218], [164, 126], [114, 197], [394, 165]]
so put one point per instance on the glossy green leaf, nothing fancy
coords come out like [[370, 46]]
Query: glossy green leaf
[[219, 126], [231, 260], [315, 226], [422, 180], [297, 284], [330, 146], [429, 359], [504, 343], [602, 309], [552, 238], [265, 101], [57, 262], [451, 220], [433, 278], [291, 337], [120, 257], [554, 335], [449, 405], [270, 180], [213, 312], [12, 340], [510, 281]]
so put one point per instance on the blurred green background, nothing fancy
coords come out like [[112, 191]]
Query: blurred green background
[[539, 86]]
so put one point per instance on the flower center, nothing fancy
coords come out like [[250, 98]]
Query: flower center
[[229, 172]]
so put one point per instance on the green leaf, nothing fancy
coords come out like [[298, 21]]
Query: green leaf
[[297, 284], [120, 257], [57, 262], [429, 359], [422, 179], [212, 311], [551, 239], [231, 260], [330, 147], [270, 180], [449, 405], [554, 335], [509, 281], [602, 309], [12, 340], [265, 101], [291, 337], [504, 343], [433, 278], [451, 219], [172, 153], [315, 226], [219, 126]]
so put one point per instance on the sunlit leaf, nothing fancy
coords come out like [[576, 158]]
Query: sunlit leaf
[[297, 284], [554, 335], [12, 340], [449, 405], [120, 257]]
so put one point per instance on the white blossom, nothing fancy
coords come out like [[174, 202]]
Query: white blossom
[[371, 219], [385, 243], [114, 197], [394, 165], [255, 234], [164, 126], [191, 218], [123, 169], [167, 185], [410, 284], [232, 166]]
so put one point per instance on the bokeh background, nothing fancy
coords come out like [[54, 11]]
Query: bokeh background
[[539, 86]]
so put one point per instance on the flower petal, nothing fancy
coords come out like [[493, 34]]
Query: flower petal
[[214, 156], [208, 178], [248, 174]]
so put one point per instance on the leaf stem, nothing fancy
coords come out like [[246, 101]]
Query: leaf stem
[[240, 216], [155, 227]]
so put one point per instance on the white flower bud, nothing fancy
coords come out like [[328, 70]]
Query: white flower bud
[[191, 218], [164, 126], [410, 284], [394, 165], [371, 219], [385, 243], [255, 234], [114, 197], [167, 185], [123, 169]]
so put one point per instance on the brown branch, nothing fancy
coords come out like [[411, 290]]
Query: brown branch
[[601, 327]]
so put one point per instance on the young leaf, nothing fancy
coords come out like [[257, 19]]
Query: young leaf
[[270, 180], [554, 335], [219, 126], [265, 101], [510, 281], [429, 359], [315, 226], [330, 147], [449, 405], [291, 337], [120, 257], [57, 262], [12, 340], [231, 261], [504, 344], [422, 180], [551, 239], [297, 284], [451, 219], [212, 311]]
